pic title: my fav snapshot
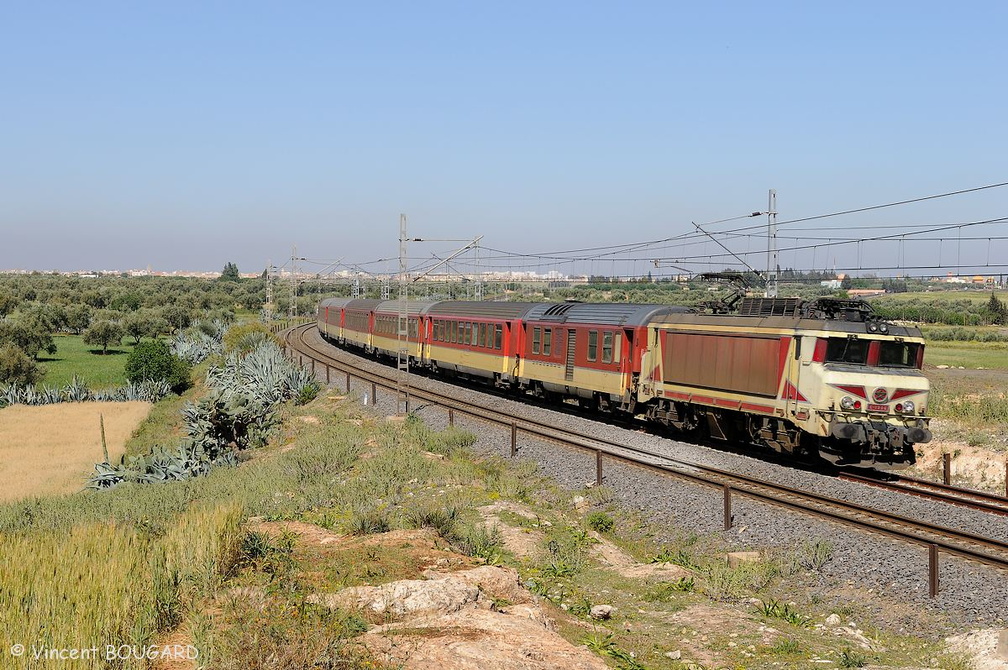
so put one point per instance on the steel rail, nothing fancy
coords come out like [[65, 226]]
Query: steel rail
[[922, 488], [951, 541]]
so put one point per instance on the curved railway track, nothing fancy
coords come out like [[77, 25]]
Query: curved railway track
[[305, 343]]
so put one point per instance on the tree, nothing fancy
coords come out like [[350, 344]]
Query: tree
[[153, 360], [16, 367], [230, 272], [78, 318], [996, 309], [102, 333], [8, 303], [177, 317], [29, 335], [138, 325]]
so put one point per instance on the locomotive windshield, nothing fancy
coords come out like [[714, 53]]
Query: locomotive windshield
[[847, 350], [898, 354], [882, 353]]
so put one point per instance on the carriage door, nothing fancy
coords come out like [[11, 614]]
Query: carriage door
[[571, 346]]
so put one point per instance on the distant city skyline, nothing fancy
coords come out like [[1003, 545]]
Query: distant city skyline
[[188, 135]]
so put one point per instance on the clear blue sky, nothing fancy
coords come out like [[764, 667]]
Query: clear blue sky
[[189, 134]]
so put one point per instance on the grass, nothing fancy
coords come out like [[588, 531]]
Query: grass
[[73, 357], [107, 584], [970, 355], [175, 559], [53, 448]]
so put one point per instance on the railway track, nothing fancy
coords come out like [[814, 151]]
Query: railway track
[[946, 493], [305, 343]]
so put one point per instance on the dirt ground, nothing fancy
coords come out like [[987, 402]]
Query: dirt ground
[[53, 448]]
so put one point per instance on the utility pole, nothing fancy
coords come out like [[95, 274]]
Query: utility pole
[[292, 311], [771, 281], [478, 287], [403, 329], [268, 307]]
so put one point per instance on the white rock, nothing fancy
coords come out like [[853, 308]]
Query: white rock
[[833, 620], [601, 612], [674, 655]]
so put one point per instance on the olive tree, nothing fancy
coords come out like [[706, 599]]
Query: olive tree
[[102, 333]]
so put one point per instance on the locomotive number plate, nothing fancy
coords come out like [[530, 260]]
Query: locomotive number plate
[[878, 408]]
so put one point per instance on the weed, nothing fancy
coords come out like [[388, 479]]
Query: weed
[[773, 609], [787, 646], [815, 554], [850, 658], [368, 521], [679, 557], [480, 542], [441, 519], [600, 522], [665, 591]]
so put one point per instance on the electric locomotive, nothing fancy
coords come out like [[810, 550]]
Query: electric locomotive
[[823, 377]]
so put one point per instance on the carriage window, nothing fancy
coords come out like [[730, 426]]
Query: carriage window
[[547, 341], [607, 347], [536, 334], [592, 345], [846, 350], [453, 332], [898, 354], [498, 336], [482, 339]]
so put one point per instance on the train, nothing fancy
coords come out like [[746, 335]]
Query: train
[[823, 378]]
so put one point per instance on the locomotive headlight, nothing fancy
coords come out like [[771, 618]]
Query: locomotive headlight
[[883, 328], [908, 407], [872, 327], [847, 402]]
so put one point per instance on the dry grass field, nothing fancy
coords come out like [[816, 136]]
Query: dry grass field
[[53, 448]]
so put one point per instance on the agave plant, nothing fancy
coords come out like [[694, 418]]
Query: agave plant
[[76, 391]]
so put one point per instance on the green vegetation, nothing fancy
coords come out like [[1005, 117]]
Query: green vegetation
[[970, 355], [73, 358], [154, 361]]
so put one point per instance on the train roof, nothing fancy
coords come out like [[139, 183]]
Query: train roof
[[366, 305], [412, 306], [334, 302], [491, 310], [606, 314]]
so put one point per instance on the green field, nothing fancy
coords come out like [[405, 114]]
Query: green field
[[976, 295], [73, 357], [970, 355]]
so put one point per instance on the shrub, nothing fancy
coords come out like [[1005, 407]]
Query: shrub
[[600, 522], [246, 337], [16, 367], [154, 361]]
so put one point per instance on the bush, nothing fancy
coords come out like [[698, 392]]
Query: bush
[[600, 522], [246, 337], [16, 367], [155, 361]]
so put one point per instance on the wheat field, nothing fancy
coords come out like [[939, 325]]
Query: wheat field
[[53, 448]]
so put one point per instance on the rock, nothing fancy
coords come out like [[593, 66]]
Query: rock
[[942, 367], [737, 558], [601, 612], [1002, 645], [833, 621], [403, 598], [580, 503], [674, 655]]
